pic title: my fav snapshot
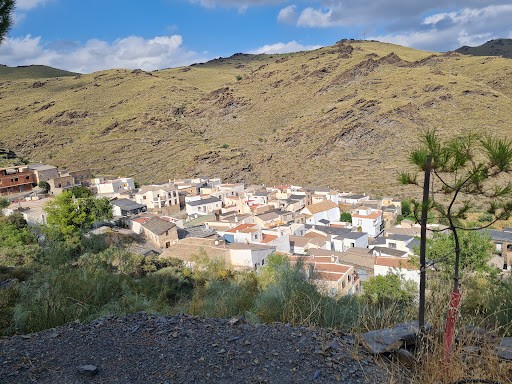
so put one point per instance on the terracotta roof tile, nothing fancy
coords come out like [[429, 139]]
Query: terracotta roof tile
[[321, 206]]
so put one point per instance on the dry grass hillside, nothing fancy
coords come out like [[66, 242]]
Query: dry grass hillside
[[344, 116]]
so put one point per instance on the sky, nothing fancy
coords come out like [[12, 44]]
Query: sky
[[87, 36]]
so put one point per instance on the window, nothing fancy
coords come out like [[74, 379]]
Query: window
[[359, 222], [144, 197], [27, 177], [392, 245]]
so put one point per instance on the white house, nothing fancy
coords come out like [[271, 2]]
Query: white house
[[203, 207], [157, 197], [249, 256], [401, 242], [321, 213], [120, 185], [243, 233], [368, 220], [385, 265], [280, 240], [350, 240], [352, 199]]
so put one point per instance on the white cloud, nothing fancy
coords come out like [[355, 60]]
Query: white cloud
[[450, 30], [288, 15], [129, 52], [311, 17], [291, 46], [29, 4]]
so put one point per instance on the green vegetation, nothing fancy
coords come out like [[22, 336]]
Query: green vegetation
[[44, 186], [476, 252], [4, 202], [73, 212], [346, 216], [463, 168], [6, 10], [17, 243], [389, 289]]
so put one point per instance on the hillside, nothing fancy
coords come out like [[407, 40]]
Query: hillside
[[498, 47], [31, 72], [141, 348], [344, 116]]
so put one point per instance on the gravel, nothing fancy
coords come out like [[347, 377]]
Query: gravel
[[143, 348]]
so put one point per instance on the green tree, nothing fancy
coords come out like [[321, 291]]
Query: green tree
[[18, 246], [4, 202], [465, 170], [475, 251], [406, 208], [6, 9], [346, 216], [391, 288], [44, 186], [70, 215]]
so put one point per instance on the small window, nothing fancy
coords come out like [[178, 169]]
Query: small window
[[27, 177], [392, 245]]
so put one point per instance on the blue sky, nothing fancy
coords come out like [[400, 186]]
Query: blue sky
[[87, 36]]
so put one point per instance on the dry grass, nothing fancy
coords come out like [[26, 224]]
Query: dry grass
[[310, 117]]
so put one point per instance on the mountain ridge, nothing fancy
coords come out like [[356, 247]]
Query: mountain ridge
[[495, 47], [32, 72], [343, 116]]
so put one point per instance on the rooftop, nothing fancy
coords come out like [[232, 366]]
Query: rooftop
[[241, 228], [209, 200], [253, 247], [373, 215], [389, 251], [127, 204], [395, 262], [321, 206], [158, 226]]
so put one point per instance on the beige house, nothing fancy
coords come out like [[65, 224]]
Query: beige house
[[60, 184], [161, 233]]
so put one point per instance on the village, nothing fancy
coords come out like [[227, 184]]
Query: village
[[341, 238]]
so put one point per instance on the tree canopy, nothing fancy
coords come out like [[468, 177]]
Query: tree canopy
[[71, 215], [475, 251], [6, 9], [389, 288]]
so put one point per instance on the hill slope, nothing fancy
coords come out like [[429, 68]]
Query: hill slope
[[344, 115], [31, 72], [497, 47], [141, 348]]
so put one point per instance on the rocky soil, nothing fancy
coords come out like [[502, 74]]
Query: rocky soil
[[142, 348]]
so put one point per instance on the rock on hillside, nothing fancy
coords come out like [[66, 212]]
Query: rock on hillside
[[142, 348]]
